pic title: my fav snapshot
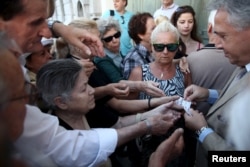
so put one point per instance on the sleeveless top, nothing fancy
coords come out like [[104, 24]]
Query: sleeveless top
[[173, 86]]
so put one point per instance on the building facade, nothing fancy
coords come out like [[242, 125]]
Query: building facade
[[67, 10]]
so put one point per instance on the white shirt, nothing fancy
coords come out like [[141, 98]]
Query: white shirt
[[45, 143], [166, 12]]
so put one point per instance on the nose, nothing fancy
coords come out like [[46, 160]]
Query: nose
[[218, 43], [91, 90], [45, 31], [165, 50]]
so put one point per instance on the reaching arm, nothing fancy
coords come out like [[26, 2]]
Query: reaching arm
[[80, 38], [164, 109], [135, 106], [113, 89]]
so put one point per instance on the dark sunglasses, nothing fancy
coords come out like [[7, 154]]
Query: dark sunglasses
[[171, 47], [110, 38]]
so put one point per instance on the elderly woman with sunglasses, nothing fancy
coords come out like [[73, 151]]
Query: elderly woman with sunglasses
[[165, 43], [110, 65]]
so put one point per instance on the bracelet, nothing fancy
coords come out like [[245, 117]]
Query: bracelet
[[198, 132], [149, 105], [149, 126], [138, 117]]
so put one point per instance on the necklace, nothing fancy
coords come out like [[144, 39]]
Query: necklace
[[161, 75]]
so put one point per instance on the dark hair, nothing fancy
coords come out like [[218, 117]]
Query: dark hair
[[186, 9], [10, 8], [137, 25]]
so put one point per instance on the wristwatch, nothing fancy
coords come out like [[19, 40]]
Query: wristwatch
[[198, 132], [50, 25]]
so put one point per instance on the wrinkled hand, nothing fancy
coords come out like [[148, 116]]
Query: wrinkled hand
[[118, 90], [151, 88], [184, 66], [195, 121], [164, 109], [88, 66], [81, 39], [167, 150], [196, 93], [160, 124]]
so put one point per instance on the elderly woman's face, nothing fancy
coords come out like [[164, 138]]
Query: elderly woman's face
[[165, 47], [82, 96], [111, 40]]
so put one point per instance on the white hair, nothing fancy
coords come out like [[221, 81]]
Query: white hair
[[211, 17]]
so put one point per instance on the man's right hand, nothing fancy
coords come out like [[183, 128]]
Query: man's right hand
[[196, 93]]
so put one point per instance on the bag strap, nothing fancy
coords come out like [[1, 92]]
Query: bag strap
[[112, 12]]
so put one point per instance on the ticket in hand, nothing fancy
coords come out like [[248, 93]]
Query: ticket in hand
[[185, 104]]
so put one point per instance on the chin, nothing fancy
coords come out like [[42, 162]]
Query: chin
[[37, 47]]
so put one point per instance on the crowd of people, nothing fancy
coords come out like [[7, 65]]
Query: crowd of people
[[104, 92]]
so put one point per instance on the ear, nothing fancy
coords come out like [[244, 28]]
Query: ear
[[209, 28], [141, 36], [60, 103]]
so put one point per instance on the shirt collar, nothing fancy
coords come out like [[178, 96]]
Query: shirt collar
[[248, 67], [171, 6]]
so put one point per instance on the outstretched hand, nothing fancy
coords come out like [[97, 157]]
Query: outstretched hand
[[167, 150], [196, 93], [80, 38]]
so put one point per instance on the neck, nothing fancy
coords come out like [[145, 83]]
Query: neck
[[186, 39], [75, 121], [167, 5], [147, 45], [121, 12], [163, 71]]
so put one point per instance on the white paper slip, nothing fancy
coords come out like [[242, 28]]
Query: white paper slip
[[185, 104]]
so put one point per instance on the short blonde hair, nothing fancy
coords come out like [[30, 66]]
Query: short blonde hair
[[160, 19], [164, 26]]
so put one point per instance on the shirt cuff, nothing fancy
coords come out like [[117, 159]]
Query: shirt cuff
[[213, 96], [204, 134], [108, 139]]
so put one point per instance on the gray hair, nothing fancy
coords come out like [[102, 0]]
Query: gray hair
[[57, 78], [105, 25], [211, 17], [238, 11], [164, 26]]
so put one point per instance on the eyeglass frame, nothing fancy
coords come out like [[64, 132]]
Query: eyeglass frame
[[166, 46], [31, 93], [110, 38]]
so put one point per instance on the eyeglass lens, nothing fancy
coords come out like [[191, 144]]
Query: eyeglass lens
[[161, 47], [109, 38]]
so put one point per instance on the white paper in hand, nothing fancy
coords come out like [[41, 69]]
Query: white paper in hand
[[185, 104]]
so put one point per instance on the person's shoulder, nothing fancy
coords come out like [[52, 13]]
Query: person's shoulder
[[128, 13], [106, 14], [101, 59]]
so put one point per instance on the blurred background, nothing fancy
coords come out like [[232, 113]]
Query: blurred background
[[66, 10]]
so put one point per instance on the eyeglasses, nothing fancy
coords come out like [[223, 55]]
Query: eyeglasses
[[31, 93], [170, 47], [110, 38]]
